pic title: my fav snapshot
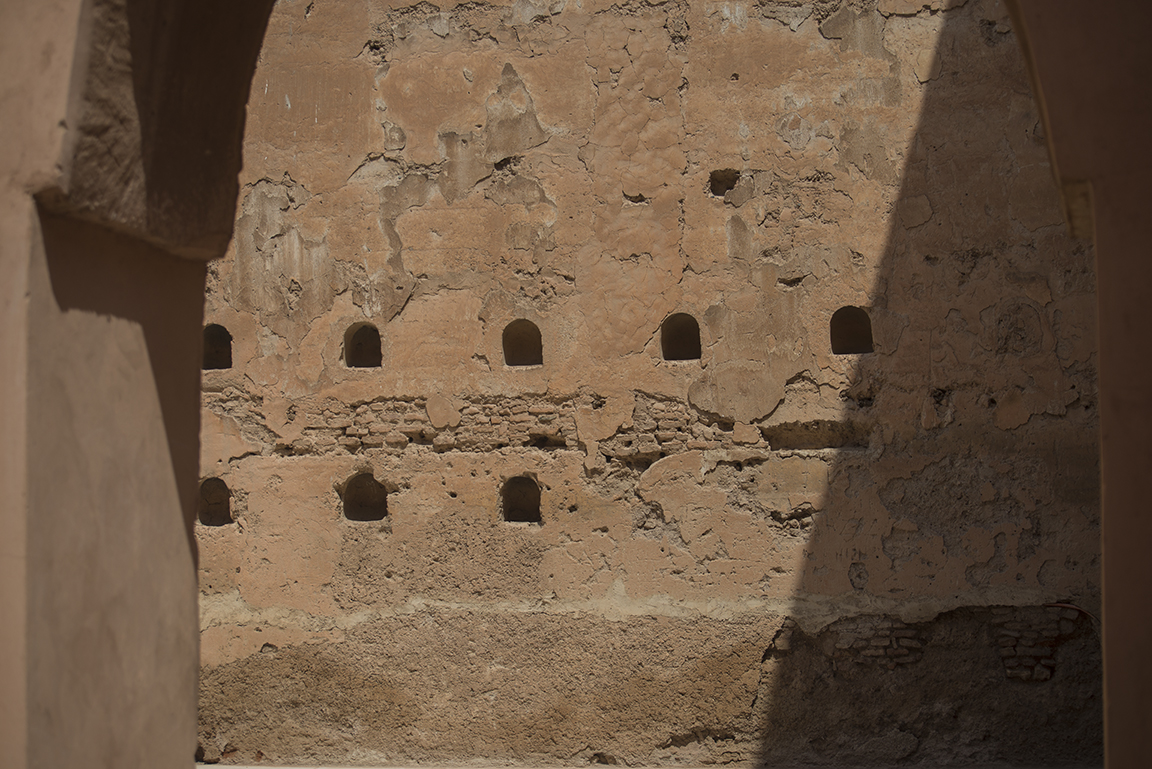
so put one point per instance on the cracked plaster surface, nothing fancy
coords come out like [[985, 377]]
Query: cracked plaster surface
[[442, 171]]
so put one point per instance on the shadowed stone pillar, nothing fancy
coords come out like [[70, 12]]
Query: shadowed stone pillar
[[122, 126]]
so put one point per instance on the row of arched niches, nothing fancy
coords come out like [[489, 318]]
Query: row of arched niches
[[363, 498], [850, 332]]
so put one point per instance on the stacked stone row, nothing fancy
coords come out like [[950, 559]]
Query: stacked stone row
[[1027, 639], [877, 641], [659, 427], [517, 422], [484, 426], [392, 424], [670, 427]]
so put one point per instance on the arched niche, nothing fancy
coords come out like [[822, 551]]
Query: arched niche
[[680, 337], [215, 505], [850, 331], [362, 346], [217, 347], [522, 344], [520, 500], [365, 499]]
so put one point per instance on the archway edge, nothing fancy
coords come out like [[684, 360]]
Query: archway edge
[[1085, 69], [155, 118], [127, 115]]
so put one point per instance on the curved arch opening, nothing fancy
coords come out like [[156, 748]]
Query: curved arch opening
[[680, 337], [522, 344], [215, 507], [850, 331], [365, 499], [520, 500], [362, 346], [217, 347]]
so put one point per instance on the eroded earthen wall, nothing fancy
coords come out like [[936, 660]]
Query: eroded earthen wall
[[773, 551]]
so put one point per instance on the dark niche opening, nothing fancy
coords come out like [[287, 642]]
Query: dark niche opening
[[217, 347], [719, 182], [680, 337], [362, 346], [365, 499], [215, 503], [521, 500], [522, 344], [851, 331]]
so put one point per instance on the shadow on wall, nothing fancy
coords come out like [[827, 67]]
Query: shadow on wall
[[981, 401], [940, 536], [87, 265]]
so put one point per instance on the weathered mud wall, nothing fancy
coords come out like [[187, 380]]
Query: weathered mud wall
[[771, 549]]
